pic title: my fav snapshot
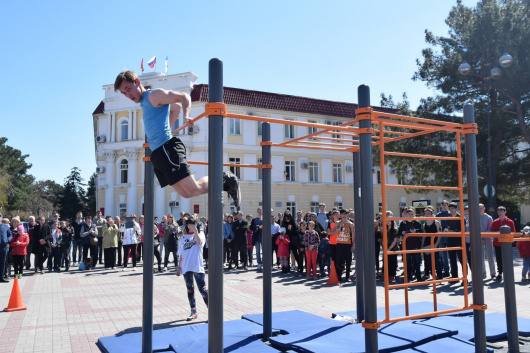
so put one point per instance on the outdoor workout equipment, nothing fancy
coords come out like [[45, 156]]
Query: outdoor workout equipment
[[357, 136]]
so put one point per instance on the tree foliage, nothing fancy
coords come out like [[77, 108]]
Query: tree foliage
[[91, 193], [421, 171], [15, 182], [73, 197], [495, 27], [44, 198]]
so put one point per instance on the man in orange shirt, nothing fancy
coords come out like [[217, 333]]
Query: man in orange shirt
[[345, 238]]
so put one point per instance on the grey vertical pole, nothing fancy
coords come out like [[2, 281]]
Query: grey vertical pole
[[266, 234], [147, 311], [359, 258], [367, 224], [509, 293], [477, 256], [215, 211]]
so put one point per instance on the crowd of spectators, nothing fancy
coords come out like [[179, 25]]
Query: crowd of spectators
[[307, 241]]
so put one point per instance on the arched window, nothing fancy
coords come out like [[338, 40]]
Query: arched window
[[124, 171], [124, 130]]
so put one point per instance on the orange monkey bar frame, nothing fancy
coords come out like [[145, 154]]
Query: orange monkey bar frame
[[384, 129]]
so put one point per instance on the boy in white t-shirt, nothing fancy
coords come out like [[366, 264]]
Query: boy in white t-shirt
[[191, 263]]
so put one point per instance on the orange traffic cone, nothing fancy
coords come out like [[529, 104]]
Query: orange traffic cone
[[333, 279], [15, 302]]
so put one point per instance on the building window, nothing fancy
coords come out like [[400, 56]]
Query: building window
[[291, 207], [289, 130], [337, 173], [260, 128], [337, 136], [260, 171], [124, 171], [174, 209], [313, 172], [401, 179], [235, 127], [312, 130], [378, 177], [290, 171], [338, 205], [235, 170], [123, 210], [314, 207], [124, 130]]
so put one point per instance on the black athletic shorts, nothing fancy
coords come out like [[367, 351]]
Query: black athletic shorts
[[170, 163]]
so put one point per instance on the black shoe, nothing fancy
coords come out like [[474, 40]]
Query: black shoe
[[231, 186], [4, 280], [499, 277]]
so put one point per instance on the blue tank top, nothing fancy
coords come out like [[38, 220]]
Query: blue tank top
[[156, 122]]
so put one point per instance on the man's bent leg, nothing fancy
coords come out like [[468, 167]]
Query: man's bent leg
[[189, 187]]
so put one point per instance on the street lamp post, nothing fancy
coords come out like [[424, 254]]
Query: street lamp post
[[487, 74]]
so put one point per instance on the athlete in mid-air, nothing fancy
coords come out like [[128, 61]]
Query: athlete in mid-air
[[161, 109]]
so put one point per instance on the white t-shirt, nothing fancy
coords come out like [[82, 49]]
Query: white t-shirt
[[191, 253]]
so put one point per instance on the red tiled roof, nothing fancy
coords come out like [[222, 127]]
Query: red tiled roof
[[275, 101], [100, 109]]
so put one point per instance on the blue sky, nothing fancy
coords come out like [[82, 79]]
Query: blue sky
[[58, 54]]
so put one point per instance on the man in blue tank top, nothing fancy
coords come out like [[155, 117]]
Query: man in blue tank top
[[161, 109]]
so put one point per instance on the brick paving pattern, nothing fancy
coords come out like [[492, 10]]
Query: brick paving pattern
[[69, 311]]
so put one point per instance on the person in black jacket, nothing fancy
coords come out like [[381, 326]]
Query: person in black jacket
[[66, 241], [291, 229], [240, 227], [256, 226], [41, 235], [412, 243], [454, 226]]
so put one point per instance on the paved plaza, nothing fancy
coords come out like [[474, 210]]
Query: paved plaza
[[69, 311]]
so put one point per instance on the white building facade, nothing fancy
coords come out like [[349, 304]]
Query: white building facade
[[301, 178]]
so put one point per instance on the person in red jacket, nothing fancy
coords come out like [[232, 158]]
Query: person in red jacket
[[283, 249], [19, 243], [495, 227], [524, 252]]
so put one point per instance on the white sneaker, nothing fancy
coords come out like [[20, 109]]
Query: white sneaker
[[74, 264], [123, 269], [259, 267], [134, 268], [106, 268], [165, 269]]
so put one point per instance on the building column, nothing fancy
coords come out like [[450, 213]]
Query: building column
[[160, 200], [110, 207], [134, 119], [112, 127], [132, 191], [109, 126], [129, 126]]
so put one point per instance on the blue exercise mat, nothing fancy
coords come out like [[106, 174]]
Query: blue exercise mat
[[295, 321], [523, 324], [162, 339], [235, 342], [444, 345], [350, 338], [495, 326], [414, 309]]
